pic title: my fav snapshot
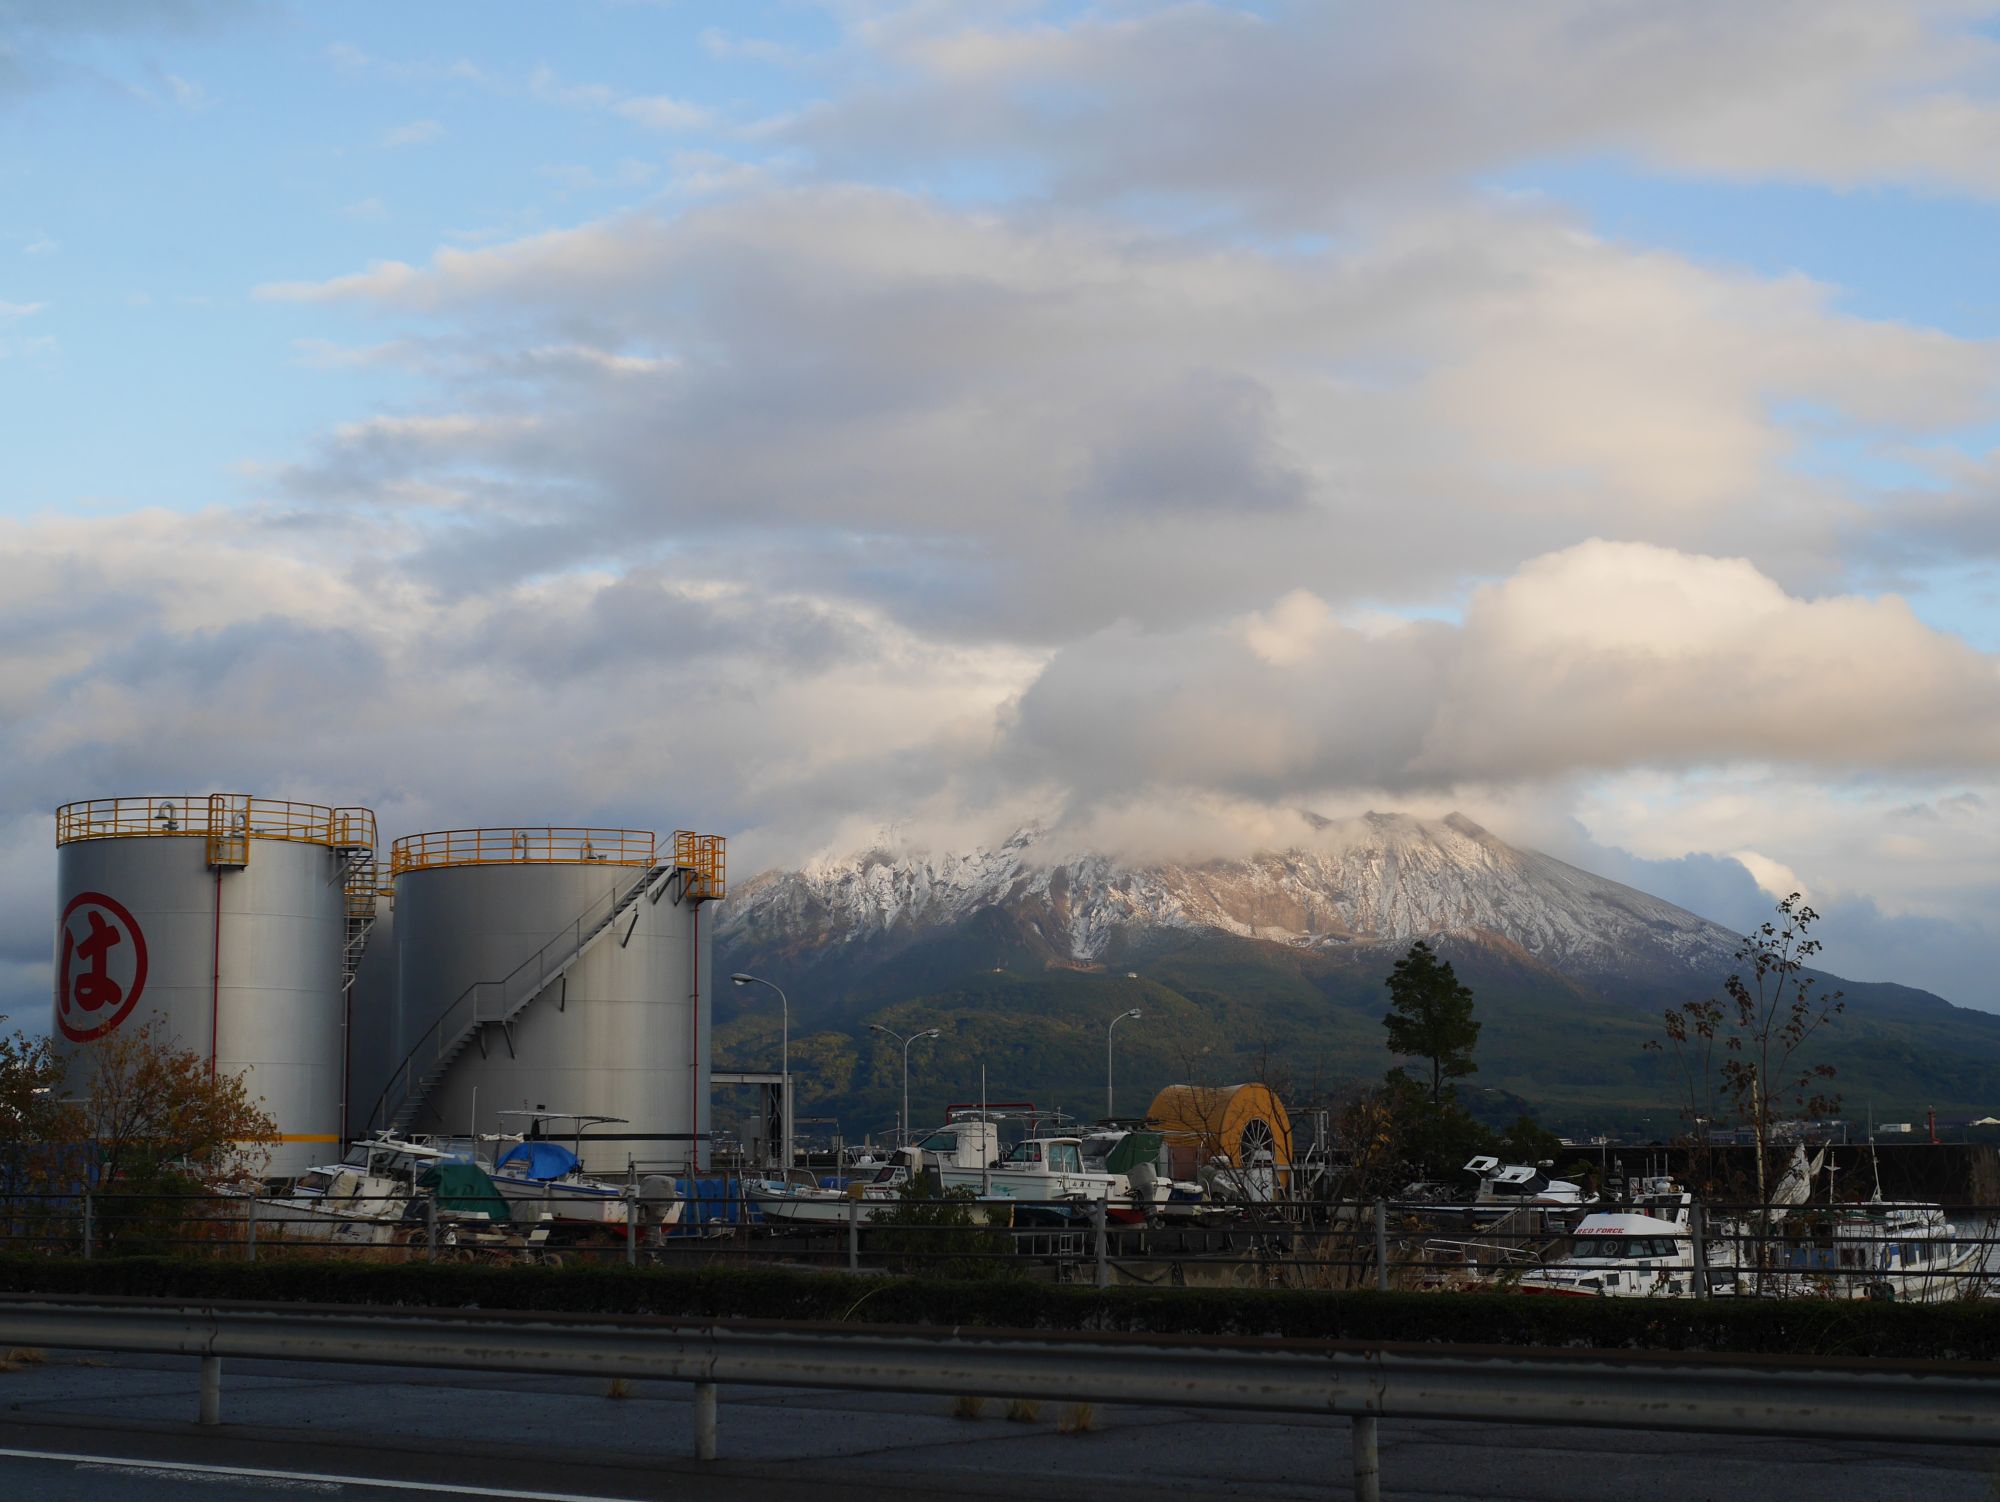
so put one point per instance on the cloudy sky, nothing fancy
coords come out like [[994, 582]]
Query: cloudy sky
[[787, 419]]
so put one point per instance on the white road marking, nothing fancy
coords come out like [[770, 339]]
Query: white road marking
[[206, 1477], [297, 1480]]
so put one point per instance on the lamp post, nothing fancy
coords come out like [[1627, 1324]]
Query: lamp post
[[784, 1063], [889, 1032], [1110, 1109]]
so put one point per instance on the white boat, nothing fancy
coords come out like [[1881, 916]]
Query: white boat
[[1509, 1185], [542, 1179], [363, 1200], [1899, 1250], [1045, 1170], [792, 1202], [1621, 1255]]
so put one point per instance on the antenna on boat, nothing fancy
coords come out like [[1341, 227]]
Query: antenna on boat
[[985, 1157]]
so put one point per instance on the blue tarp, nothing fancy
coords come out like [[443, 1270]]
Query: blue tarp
[[709, 1202], [537, 1160]]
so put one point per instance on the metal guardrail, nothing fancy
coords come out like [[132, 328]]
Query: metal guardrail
[[1807, 1398], [516, 845], [231, 815]]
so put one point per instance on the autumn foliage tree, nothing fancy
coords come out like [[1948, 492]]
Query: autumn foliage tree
[[151, 1107], [32, 1109]]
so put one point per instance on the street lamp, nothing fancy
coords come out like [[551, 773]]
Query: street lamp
[[889, 1032], [1111, 1110], [784, 1063]]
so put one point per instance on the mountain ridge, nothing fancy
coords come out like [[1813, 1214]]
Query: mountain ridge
[[1379, 879], [1272, 965]]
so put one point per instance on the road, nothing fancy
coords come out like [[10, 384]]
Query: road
[[119, 1428]]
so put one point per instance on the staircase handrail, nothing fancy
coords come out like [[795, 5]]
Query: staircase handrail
[[571, 936]]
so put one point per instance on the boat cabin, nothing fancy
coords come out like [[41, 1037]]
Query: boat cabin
[[961, 1144], [1520, 1184], [1620, 1256], [1045, 1155]]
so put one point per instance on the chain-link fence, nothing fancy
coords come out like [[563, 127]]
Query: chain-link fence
[[1900, 1252]]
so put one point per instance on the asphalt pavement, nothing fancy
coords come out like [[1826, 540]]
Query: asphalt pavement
[[96, 1427]]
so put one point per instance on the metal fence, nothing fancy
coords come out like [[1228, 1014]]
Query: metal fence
[[1919, 1254], [1920, 1403]]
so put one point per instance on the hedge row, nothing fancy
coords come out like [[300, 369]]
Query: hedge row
[[1957, 1331]]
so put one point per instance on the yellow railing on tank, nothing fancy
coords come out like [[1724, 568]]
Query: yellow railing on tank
[[224, 819], [522, 847], [707, 855]]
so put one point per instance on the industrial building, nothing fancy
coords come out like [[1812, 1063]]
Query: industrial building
[[475, 972]]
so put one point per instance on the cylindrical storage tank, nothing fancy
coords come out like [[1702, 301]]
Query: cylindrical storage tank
[[220, 921], [374, 1019], [615, 927]]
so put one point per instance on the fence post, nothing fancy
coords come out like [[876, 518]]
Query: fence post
[[430, 1228], [1381, 1269], [250, 1233], [1097, 1219], [89, 1223], [704, 1421], [211, 1391], [1367, 1459], [853, 1235], [1698, 1239]]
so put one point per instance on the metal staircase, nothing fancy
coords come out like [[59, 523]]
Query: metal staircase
[[489, 1003], [359, 882]]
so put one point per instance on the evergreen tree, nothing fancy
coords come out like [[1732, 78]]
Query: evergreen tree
[[1430, 1016]]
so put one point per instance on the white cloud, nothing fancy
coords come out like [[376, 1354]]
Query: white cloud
[[1087, 487], [1044, 427], [187, 94], [1602, 657], [412, 133], [1773, 878], [1294, 109], [655, 111]]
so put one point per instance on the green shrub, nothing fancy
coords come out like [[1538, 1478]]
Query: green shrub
[[1807, 1327]]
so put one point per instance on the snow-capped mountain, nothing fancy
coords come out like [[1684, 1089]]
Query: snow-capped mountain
[[1376, 880]]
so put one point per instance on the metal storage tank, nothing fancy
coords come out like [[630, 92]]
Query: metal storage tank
[[230, 924], [375, 1023], [557, 968]]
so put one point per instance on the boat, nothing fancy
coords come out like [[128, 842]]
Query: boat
[[1622, 1254], [1904, 1251], [1043, 1170], [1507, 1186], [541, 1178], [365, 1199], [1138, 1188]]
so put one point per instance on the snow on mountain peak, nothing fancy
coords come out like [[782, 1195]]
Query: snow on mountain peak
[[1379, 878]]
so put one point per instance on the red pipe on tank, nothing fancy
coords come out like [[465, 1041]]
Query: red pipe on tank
[[694, 1046], [215, 982]]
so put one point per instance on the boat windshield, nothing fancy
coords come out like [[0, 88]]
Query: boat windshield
[[1622, 1246], [1025, 1152]]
